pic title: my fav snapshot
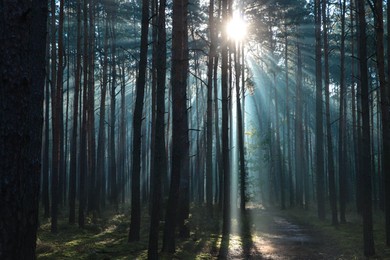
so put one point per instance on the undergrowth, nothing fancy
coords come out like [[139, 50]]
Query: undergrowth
[[347, 237]]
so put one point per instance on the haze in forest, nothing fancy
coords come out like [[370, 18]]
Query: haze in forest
[[193, 129]]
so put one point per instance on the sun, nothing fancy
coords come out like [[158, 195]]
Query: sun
[[236, 28]]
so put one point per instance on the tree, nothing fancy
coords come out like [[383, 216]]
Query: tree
[[225, 128], [331, 170], [160, 165], [319, 116], [22, 73], [209, 119], [179, 161], [137, 126], [73, 145], [342, 135], [365, 154], [385, 111]]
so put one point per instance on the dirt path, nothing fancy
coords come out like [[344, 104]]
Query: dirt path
[[275, 237]]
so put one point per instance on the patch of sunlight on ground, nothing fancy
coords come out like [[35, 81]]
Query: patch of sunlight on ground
[[74, 242], [251, 205]]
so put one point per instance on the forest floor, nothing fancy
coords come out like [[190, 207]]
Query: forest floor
[[263, 233]]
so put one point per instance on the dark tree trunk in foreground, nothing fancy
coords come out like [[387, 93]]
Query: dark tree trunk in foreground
[[22, 74], [160, 164], [179, 117], [319, 121], [365, 154], [135, 224]]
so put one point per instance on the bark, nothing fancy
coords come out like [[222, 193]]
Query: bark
[[319, 118], [179, 164], [22, 73], [100, 161], [342, 123], [113, 166], [331, 169], [365, 154], [209, 112], [91, 110], [55, 138], [134, 233], [225, 128], [385, 111], [46, 142], [160, 164], [73, 145], [299, 157], [240, 131]]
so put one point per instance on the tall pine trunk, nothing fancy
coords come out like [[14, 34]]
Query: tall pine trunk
[[22, 73], [365, 154], [319, 118], [179, 165], [134, 233], [331, 169], [385, 110]]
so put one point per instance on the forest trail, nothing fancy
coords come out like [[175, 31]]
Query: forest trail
[[276, 237]]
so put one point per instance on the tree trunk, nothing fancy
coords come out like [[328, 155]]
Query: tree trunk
[[342, 123], [385, 110], [299, 157], [135, 224], [365, 154], [160, 164], [331, 169], [22, 48], [179, 165], [319, 118], [73, 145], [225, 128]]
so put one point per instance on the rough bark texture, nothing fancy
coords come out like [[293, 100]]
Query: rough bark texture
[[22, 70]]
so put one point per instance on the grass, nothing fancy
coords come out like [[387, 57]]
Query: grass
[[106, 238], [347, 238]]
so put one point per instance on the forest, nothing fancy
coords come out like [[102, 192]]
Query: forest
[[194, 129]]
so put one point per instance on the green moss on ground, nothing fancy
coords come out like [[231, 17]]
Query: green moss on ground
[[346, 238], [106, 238]]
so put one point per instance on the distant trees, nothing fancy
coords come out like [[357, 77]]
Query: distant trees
[[156, 129]]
